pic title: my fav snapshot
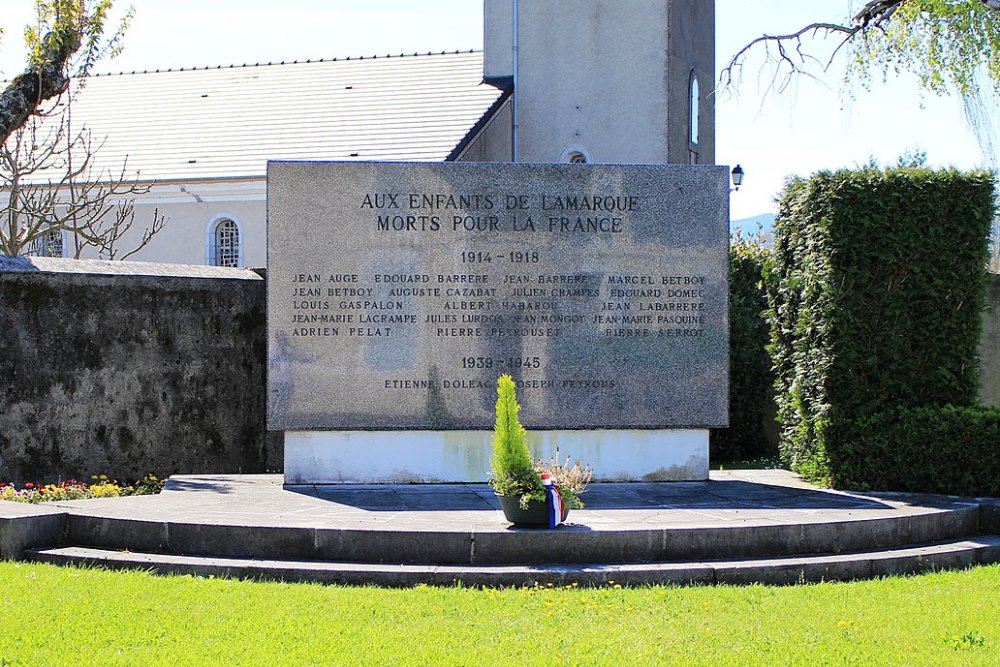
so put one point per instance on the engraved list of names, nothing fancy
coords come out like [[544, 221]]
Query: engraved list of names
[[397, 293]]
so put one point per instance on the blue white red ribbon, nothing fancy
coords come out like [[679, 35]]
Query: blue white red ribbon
[[555, 503]]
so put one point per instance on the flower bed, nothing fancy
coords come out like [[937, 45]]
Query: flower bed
[[100, 486]]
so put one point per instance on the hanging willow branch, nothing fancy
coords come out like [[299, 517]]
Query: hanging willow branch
[[790, 57]]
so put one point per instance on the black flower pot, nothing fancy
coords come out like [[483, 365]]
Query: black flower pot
[[535, 514]]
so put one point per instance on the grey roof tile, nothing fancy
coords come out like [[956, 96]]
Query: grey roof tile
[[228, 121]]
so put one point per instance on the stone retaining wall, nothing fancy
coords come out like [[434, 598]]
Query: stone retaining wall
[[126, 368]]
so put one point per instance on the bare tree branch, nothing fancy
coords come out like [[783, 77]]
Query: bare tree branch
[[876, 13], [48, 174], [794, 60]]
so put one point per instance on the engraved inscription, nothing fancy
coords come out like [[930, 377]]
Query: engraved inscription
[[603, 297]]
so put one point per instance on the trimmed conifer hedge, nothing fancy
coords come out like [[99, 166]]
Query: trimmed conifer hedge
[[876, 285], [750, 377], [946, 449]]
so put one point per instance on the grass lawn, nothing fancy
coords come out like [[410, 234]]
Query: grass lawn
[[66, 616]]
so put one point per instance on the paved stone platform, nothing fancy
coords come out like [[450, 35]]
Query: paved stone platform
[[729, 498], [740, 526]]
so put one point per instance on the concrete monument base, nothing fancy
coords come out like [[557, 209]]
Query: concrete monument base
[[399, 457]]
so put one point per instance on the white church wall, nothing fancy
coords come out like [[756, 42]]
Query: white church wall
[[187, 233]]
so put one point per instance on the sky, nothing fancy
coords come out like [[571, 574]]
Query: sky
[[814, 125]]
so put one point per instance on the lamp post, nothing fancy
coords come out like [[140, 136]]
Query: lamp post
[[737, 175]]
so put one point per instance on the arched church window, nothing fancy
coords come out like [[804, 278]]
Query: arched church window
[[227, 244], [224, 245]]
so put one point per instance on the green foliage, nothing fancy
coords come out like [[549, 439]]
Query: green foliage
[[931, 450], [76, 27], [66, 40], [750, 377], [969, 641], [513, 472], [876, 285], [62, 615], [913, 158], [945, 43]]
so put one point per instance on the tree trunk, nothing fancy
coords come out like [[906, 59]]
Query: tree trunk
[[41, 82]]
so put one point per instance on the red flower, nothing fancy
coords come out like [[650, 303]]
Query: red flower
[[29, 485]]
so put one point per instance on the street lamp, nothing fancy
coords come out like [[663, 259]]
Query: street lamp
[[737, 175]]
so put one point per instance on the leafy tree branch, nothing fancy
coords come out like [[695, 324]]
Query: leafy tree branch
[[67, 39], [945, 43]]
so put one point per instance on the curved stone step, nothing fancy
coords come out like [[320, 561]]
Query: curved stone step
[[494, 543], [952, 554]]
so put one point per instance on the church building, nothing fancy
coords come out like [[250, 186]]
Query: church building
[[588, 81]]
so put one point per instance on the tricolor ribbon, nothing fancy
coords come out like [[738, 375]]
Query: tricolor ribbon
[[555, 502]]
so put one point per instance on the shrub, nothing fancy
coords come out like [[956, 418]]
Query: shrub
[[934, 450], [513, 472], [750, 377], [876, 285]]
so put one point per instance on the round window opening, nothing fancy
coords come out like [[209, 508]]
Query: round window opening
[[575, 155]]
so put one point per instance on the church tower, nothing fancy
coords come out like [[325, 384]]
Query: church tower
[[601, 81]]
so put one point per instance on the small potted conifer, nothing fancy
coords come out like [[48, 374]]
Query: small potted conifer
[[530, 492]]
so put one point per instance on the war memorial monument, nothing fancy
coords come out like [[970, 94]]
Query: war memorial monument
[[399, 292]]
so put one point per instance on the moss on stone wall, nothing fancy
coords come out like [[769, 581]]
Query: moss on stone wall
[[125, 374]]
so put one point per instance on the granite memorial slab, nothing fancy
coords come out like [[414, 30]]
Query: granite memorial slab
[[398, 292]]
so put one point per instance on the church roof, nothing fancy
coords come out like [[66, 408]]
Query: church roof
[[229, 121]]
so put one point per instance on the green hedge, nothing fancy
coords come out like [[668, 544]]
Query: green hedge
[[931, 450], [750, 377], [876, 285]]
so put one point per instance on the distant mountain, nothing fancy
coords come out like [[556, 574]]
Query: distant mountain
[[763, 223]]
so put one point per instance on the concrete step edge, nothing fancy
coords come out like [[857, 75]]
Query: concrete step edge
[[569, 544], [952, 554]]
